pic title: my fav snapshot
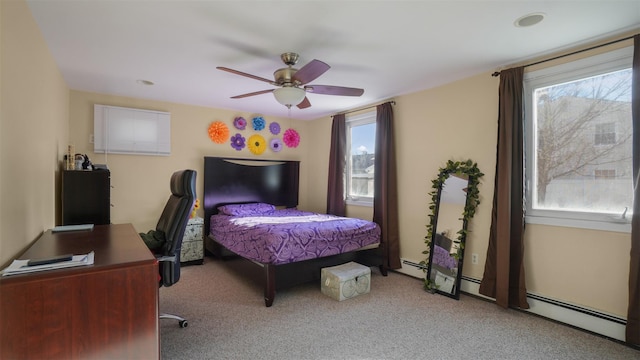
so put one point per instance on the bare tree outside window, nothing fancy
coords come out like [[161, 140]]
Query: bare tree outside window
[[582, 127]]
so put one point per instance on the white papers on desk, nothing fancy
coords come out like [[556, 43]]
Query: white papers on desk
[[81, 227], [20, 266]]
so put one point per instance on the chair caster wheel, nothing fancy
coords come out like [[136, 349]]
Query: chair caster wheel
[[183, 323]]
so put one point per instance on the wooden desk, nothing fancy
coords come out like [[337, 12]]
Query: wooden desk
[[108, 310]]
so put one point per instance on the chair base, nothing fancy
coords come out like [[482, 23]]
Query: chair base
[[181, 321]]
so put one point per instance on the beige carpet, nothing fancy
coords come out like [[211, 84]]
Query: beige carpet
[[396, 320]]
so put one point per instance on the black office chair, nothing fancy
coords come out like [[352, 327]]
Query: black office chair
[[170, 229]]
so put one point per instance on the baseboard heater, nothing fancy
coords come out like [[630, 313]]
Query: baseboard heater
[[412, 268], [580, 309], [414, 264], [577, 316]]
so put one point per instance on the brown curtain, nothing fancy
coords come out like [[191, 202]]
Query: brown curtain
[[633, 310], [385, 201], [503, 277], [337, 160]]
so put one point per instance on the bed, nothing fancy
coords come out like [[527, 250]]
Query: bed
[[250, 212], [442, 259]]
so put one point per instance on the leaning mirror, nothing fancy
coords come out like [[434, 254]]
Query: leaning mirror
[[454, 200]]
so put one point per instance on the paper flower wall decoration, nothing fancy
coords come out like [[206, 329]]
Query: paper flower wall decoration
[[275, 144], [291, 138], [256, 144], [258, 123], [218, 132], [274, 127], [240, 123], [237, 142]]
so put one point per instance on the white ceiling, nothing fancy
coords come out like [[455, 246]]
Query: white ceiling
[[388, 48]]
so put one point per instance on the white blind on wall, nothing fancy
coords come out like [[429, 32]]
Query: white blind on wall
[[119, 130]]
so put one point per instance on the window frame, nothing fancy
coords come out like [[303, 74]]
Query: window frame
[[611, 61], [352, 121], [604, 173], [602, 136]]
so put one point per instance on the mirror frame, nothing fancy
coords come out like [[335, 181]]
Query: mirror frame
[[470, 170]]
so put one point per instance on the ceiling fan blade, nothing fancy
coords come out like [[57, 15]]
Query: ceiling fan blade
[[245, 74], [333, 90], [252, 94], [310, 72], [304, 104]]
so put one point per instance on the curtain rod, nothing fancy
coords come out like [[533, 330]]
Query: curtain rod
[[392, 102], [497, 73]]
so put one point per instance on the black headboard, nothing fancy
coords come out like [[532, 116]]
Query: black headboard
[[233, 181]]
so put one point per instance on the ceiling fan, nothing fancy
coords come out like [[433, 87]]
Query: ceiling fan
[[292, 82]]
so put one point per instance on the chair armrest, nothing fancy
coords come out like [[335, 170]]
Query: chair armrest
[[166, 258]]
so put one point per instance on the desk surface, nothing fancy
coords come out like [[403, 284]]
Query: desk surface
[[100, 311], [114, 245]]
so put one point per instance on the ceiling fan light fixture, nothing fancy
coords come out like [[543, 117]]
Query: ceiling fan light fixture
[[289, 96]]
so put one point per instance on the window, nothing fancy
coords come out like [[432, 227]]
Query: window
[[605, 174], [119, 130], [605, 134], [361, 137], [578, 143]]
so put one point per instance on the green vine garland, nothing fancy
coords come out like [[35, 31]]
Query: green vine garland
[[470, 169]]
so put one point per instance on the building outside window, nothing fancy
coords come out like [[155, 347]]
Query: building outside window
[[578, 143]]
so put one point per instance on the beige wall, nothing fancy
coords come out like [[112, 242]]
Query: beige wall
[[583, 267], [421, 119], [318, 160], [588, 268], [449, 221], [33, 130], [431, 128], [140, 183]]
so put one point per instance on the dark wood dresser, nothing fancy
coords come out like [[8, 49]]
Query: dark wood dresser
[[86, 197]]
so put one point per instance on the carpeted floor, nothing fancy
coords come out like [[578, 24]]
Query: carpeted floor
[[396, 320]]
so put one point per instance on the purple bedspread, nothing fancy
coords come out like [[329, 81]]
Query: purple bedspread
[[288, 235], [443, 258]]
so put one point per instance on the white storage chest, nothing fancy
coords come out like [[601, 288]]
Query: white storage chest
[[345, 281]]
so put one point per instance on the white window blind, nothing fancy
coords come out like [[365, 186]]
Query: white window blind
[[119, 130]]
